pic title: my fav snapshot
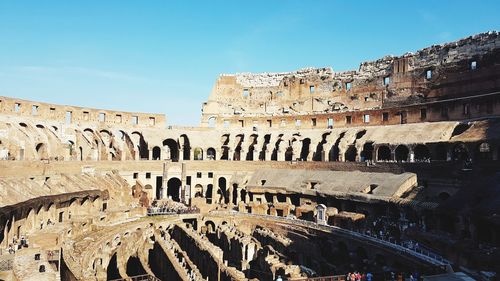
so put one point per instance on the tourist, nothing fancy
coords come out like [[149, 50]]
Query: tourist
[[369, 276]]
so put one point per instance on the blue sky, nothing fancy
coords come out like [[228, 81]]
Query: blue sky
[[164, 56]]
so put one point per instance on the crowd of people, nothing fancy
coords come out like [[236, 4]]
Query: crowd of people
[[170, 207], [393, 276], [17, 244]]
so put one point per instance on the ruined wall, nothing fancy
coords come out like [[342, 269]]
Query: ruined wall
[[65, 114], [462, 68]]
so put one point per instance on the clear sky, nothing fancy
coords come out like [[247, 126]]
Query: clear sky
[[164, 56]]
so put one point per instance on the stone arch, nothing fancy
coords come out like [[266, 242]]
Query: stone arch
[[173, 189], [350, 154], [318, 154], [334, 153], [237, 149], [141, 145], [212, 121], [383, 153], [198, 190], [186, 147], [198, 153], [401, 153], [222, 188], [208, 193], [274, 154], [210, 226], [42, 151], [225, 153], [304, 152], [367, 152], [289, 154], [171, 149], [422, 152], [262, 154], [251, 147], [211, 154], [156, 153]]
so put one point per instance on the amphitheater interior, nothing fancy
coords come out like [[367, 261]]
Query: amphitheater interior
[[391, 169]]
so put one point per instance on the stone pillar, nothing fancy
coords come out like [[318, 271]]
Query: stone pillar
[[230, 153], [165, 180], [150, 153], [181, 154], [255, 155], [185, 197], [268, 154], [137, 156], [281, 155]]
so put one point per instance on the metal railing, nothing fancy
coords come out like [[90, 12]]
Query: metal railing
[[325, 278], [145, 277]]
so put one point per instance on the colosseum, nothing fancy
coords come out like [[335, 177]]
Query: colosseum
[[391, 170]]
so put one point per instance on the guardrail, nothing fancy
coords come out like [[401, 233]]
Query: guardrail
[[325, 278], [145, 277], [431, 258]]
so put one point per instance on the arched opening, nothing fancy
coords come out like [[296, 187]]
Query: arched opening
[[251, 148], [186, 147], [440, 152], [422, 153], [141, 145], [237, 153], [211, 122], [112, 270], [484, 151], [334, 153], [383, 153], [171, 149], [318, 154], [350, 154], [156, 153], [304, 153], [198, 153], [401, 153], [41, 150], [235, 193], [274, 154], [173, 189], [134, 267], [367, 153], [460, 152], [243, 195], [211, 154], [222, 183], [198, 190], [208, 193], [262, 154], [210, 225], [289, 154], [225, 153]]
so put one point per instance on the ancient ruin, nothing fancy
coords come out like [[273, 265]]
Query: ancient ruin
[[389, 169]]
